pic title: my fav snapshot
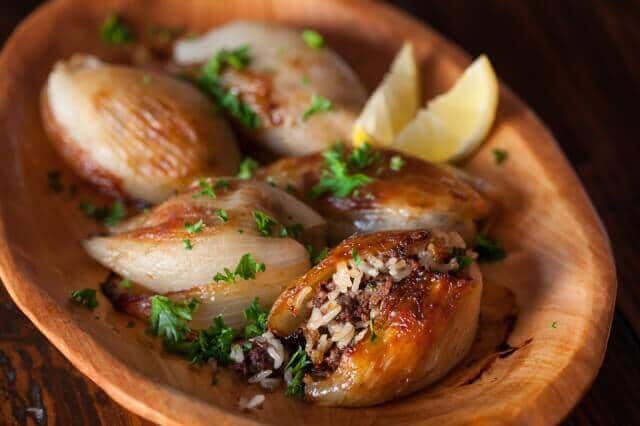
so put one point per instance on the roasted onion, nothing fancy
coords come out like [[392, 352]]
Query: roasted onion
[[131, 132], [279, 84], [177, 247]]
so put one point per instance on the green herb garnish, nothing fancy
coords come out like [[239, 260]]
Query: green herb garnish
[[126, 283], [108, 215], [500, 155], [313, 39], [306, 80], [256, 318], [206, 189], [85, 297], [222, 184], [355, 256], [396, 163], [316, 256], [488, 250], [247, 166], [213, 342], [54, 180], [296, 367], [554, 324], [169, 319], [222, 214], [114, 31], [337, 177], [246, 269], [194, 228], [209, 83], [187, 244], [372, 331], [318, 104], [264, 223]]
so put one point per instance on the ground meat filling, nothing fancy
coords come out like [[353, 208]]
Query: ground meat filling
[[259, 360], [345, 308]]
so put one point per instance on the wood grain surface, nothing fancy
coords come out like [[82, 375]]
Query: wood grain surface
[[575, 63]]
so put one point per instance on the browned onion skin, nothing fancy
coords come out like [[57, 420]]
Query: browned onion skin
[[424, 328], [419, 195]]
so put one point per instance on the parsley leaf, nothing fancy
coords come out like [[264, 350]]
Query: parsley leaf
[[213, 342], [372, 330], [488, 250], [355, 256], [247, 166], [362, 157], [318, 104], [336, 178], [246, 269], [108, 215], [292, 231], [206, 189], [222, 184], [209, 83], [54, 180], [126, 283], [187, 244], [194, 228], [169, 319], [500, 155], [316, 256], [396, 163], [222, 214], [296, 367], [257, 320], [114, 31], [264, 223], [554, 324], [313, 39], [86, 297]]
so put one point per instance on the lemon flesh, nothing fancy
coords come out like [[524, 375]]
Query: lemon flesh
[[455, 123], [393, 104]]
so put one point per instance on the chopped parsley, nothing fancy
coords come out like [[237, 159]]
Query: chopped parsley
[[337, 177], [459, 254], [194, 228], [187, 244], [114, 31], [264, 223], [554, 324], [169, 319], [206, 189], [296, 367], [209, 83], [316, 256], [372, 330], [108, 215], [222, 214], [363, 156], [318, 104], [213, 342], [396, 163], [85, 297], [500, 155], [256, 318], [222, 184], [488, 250], [247, 166], [54, 180], [125, 283], [246, 269], [356, 256], [313, 39]]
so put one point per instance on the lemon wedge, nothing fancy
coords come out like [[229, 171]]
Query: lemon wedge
[[455, 123], [393, 104]]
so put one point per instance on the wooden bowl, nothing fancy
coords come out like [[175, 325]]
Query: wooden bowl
[[559, 268]]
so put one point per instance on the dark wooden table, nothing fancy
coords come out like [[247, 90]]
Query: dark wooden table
[[575, 62]]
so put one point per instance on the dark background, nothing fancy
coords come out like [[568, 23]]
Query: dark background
[[576, 63]]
